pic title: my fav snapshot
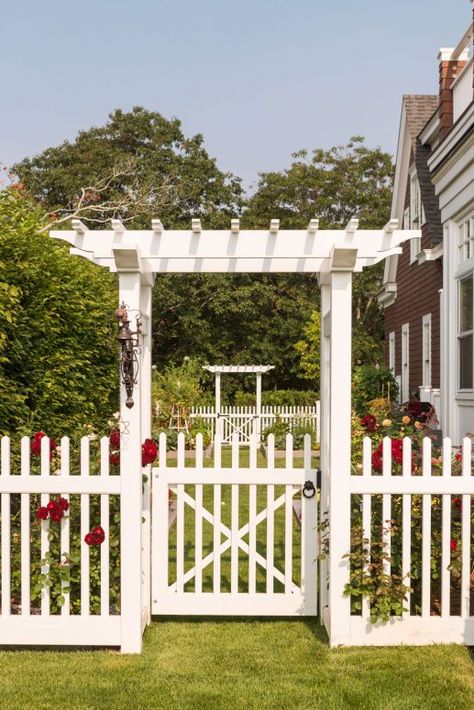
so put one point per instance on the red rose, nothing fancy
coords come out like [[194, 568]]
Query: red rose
[[149, 452], [63, 504], [397, 450], [99, 535], [458, 456], [36, 444], [114, 439], [369, 422], [458, 503], [377, 461], [42, 513], [95, 537], [56, 515], [454, 545], [52, 505], [114, 459]]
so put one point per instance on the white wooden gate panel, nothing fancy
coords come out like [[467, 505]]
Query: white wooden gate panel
[[234, 574]]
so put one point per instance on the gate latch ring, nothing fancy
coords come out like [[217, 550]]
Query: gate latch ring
[[309, 491]]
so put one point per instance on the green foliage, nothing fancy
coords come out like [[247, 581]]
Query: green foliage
[[281, 428], [177, 388], [58, 358], [277, 398], [334, 185], [308, 348], [386, 593], [372, 382]]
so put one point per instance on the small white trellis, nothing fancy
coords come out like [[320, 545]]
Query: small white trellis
[[334, 254], [242, 426]]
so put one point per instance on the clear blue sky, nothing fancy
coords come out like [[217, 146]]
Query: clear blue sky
[[259, 78]]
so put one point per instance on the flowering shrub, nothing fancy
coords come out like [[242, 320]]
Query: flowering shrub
[[387, 593]]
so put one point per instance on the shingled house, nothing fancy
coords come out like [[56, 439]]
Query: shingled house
[[428, 292], [410, 293]]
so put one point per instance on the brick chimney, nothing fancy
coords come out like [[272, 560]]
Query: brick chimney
[[449, 69]]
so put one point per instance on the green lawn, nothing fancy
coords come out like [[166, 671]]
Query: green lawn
[[239, 664]]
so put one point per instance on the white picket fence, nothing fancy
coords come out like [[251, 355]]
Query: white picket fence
[[241, 420], [87, 616], [441, 607]]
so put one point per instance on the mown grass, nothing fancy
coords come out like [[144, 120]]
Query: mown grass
[[239, 664]]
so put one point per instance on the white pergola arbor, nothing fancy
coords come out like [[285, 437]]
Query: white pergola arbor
[[257, 370], [137, 256]]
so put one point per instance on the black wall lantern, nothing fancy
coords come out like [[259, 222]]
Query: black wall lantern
[[129, 345]]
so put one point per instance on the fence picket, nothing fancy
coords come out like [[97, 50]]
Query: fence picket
[[446, 534], [466, 531], [104, 521], [45, 465], [6, 531], [270, 517], [25, 532], [85, 527], [65, 526], [366, 514], [406, 520], [387, 504], [234, 553], [426, 534]]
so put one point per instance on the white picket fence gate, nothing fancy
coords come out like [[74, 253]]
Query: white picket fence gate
[[268, 573], [437, 504], [242, 540], [241, 420]]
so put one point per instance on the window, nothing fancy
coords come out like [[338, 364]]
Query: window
[[465, 333], [417, 215], [391, 351], [405, 389], [466, 239], [427, 350]]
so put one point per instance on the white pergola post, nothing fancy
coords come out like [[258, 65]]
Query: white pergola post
[[339, 322], [146, 293], [131, 491], [258, 408], [325, 358]]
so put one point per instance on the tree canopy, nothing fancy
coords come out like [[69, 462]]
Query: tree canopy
[[234, 319]]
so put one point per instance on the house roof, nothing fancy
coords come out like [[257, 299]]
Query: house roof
[[418, 108]]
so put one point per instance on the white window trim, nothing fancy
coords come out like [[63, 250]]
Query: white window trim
[[417, 214], [427, 350], [459, 389], [391, 351], [405, 370], [465, 238]]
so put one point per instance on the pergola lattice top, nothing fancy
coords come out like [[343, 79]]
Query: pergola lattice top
[[238, 369], [197, 250]]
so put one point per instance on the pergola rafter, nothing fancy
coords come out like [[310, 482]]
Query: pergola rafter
[[334, 254]]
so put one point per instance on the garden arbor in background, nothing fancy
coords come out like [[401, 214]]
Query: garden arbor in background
[[137, 257], [258, 371]]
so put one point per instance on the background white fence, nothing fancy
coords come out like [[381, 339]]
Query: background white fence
[[426, 516], [241, 420], [82, 610]]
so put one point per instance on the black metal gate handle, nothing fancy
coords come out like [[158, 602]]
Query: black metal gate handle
[[309, 491]]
